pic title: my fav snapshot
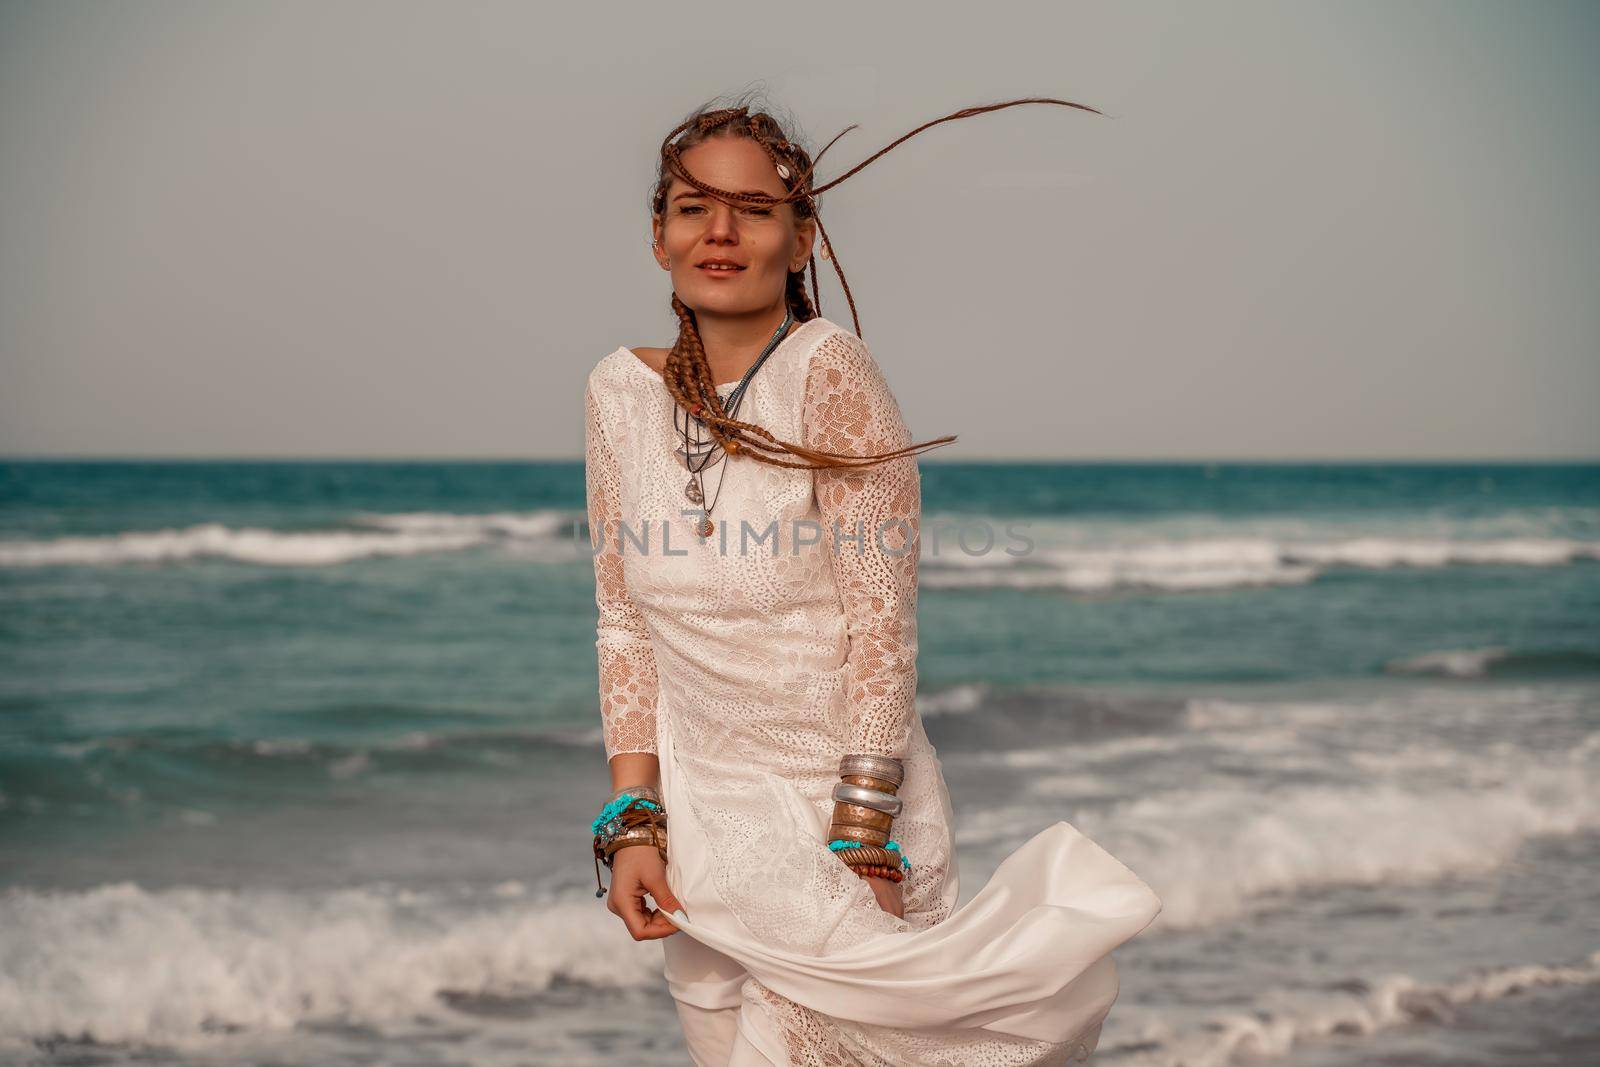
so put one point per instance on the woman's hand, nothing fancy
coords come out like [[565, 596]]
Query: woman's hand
[[635, 871], [887, 890]]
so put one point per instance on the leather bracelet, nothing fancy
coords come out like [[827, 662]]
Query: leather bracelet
[[634, 823], [644, 835]]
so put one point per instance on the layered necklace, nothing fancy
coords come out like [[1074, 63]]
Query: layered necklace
[[705, 451]]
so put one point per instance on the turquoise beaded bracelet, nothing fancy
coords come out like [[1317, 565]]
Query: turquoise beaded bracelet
[[615, 808], [892, 846]]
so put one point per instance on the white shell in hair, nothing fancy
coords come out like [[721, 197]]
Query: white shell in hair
[[783, 171]]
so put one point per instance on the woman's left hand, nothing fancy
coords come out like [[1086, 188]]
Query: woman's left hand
[[887, 890]]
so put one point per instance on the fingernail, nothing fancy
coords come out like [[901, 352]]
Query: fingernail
[[681, 915]]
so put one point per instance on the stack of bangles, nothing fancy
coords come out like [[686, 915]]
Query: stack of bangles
[[864, 808], [863, 812], [633, 816]]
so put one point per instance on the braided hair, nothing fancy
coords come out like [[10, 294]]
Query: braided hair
[[687, 373]]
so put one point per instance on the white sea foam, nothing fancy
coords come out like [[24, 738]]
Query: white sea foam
[[956, 700], [1215, 856], [121, 963], [1233, 562], [404, 534], [512, 524], [1286, 1019], [1454, 663], [1252, 803]]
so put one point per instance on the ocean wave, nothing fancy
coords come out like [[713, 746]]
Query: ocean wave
[[75, 769], [1354, 1007], [1255, 803], [956, 700], [1167, 556], [186, 966], [1216, 855], [401, 534], [190, 967], [1233, 562], [1498, 661]]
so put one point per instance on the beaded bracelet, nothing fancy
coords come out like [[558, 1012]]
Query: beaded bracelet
[[892, 846], [616, 807], [624, 821]]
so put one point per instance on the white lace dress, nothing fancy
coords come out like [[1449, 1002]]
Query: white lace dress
[[749, 662]]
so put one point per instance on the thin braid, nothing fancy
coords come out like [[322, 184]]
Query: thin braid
[[966, 112], [687, 372], [796, 297], [833, 256]]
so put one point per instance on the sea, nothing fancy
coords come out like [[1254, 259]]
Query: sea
[[298, 759]]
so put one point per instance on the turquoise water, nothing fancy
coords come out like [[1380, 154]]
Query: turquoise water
[[309, 725]]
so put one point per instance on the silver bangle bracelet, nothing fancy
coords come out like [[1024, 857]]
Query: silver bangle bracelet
[[640, 792], [886, 767], [887, 803]]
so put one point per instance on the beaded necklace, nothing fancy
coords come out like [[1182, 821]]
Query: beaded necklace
[[705, 452]]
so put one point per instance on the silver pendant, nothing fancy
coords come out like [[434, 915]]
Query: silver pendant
[[702, 459], [694, 493]]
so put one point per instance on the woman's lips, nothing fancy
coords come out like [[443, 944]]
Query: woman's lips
[[714, 272]]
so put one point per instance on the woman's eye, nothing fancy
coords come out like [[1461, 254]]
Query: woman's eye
[[696, 209]]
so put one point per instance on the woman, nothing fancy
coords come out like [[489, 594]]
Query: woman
[[755, 506]]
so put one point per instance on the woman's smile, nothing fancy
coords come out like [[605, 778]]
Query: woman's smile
[[720, 268]]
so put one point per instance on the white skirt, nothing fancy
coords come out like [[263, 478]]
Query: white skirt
[[1023, 967]]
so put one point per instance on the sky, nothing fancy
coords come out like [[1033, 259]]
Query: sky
[[1300, 231]]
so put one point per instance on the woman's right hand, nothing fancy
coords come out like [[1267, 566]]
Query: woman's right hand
[[888, 892], [635, 871]]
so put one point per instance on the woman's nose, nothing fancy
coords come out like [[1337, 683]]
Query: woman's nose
[[723, 224]]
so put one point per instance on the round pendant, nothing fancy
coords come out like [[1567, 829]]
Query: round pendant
[[706, 527]]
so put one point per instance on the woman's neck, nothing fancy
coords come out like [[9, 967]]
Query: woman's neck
[[732, 343]]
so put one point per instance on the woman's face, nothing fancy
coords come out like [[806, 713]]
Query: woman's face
[[762, 241]]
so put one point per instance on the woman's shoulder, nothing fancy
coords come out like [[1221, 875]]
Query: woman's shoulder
[[653, 358], [840, 357], [619, 368]]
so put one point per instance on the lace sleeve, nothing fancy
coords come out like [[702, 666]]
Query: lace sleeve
[[627, 660], [872, 518]]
